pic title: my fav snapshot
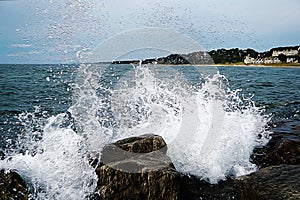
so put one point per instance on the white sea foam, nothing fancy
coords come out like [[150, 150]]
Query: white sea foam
[[59, 169]]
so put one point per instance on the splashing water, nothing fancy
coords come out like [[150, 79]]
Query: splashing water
[[54, 166], [209, 129], [223, 136]]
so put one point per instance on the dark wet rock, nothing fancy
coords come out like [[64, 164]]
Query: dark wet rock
[[12, 186], [137, 168], [148, 184], [275, 182], [143, 144], [129, 148], [283, 148], [192, 188]]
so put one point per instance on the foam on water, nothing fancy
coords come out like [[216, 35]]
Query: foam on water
[[210, 130], [58, 168]]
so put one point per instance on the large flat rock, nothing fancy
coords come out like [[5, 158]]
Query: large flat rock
[[137, 168]]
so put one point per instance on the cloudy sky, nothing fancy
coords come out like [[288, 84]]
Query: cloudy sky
[[63, 31]]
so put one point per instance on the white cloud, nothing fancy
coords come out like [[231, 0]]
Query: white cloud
[[75, 25], [23, 53], [21, 45]]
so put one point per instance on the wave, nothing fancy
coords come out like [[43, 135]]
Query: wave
[[210, 130]]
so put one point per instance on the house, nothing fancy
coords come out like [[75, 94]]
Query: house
[[290, 60], [248, 60], [269, 60], [287, 52]]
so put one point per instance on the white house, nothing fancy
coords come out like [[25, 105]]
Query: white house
[[287, 52], [290, 60], [248, 60], [258, 61]]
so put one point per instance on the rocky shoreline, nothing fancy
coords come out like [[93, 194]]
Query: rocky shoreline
[[138, 168]]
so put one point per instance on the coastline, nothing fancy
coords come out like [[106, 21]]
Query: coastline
[[235, 65], [244, 65], [239, 64]]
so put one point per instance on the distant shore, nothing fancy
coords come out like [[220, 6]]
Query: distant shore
[[283, 57], [278, 65]]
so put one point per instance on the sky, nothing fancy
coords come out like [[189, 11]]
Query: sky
[[65, 31]]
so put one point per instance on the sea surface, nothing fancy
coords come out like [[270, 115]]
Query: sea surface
[[53, 116]]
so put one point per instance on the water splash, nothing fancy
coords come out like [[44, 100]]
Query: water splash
[[227, 130], [210, 130], [54, 163]]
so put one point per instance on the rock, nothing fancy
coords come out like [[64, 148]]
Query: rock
[[128, 148], [192, 188], [143, 144], [283, 148], [275, 182], [151, 184], [12, 186], [133, 147], [137, 168]]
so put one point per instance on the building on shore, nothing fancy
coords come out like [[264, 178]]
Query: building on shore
[[291, 60], [258, 61], [287, 52]]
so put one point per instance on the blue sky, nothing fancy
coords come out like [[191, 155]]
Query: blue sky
[[52, 31]]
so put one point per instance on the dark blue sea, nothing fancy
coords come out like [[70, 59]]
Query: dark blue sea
[[39, 99]]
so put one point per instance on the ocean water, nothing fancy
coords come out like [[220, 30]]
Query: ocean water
[[52, 117]]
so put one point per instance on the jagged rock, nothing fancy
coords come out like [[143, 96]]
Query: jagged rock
[[283, 148], [12, 186], [137, 168], [275, 182]]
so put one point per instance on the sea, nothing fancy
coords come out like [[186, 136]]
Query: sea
[[53, 117]]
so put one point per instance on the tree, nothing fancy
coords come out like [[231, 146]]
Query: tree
[[297, 57], [282, 58]]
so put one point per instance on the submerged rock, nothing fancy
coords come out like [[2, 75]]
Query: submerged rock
[[137, 168], [12, 186], [275, 182]]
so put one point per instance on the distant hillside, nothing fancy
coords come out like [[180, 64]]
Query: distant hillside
[[278, 54], [223, 56], [176, 59], [228, 56]]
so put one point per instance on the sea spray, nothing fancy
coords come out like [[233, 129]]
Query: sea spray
[[227, 131], [210, 130], [54, 166]]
